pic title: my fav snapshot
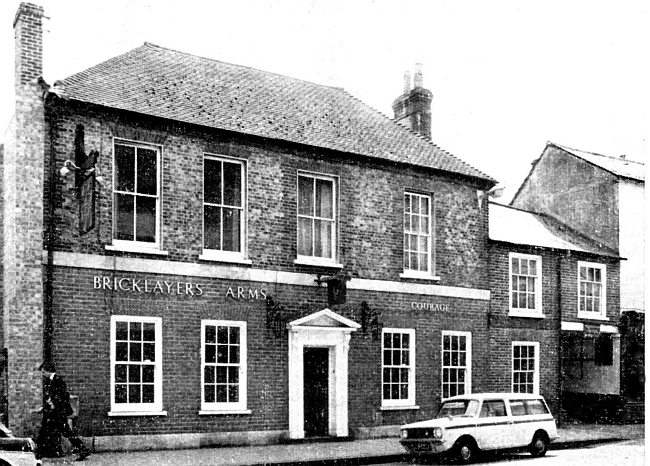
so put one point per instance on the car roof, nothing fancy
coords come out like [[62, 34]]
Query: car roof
[[485, 396]]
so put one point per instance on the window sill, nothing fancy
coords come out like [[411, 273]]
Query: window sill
[[419, 276], [136, 413], [527, 315], [399, 408], [317, 262], [593, 317], [230, 260], [138, 249], [225, 411]]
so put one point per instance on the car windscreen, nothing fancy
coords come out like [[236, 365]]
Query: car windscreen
[[455, 408]]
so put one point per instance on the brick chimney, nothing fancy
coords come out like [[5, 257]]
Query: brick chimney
[[413, 108], [23, 174], [28, 33]]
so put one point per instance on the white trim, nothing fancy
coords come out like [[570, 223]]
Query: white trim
[[129, 246], [157, 244], [468, 361], [398, 408], [217, 254], [225, 411], [145, 409], [337, 340], [224, 407], [534, 344], [418, 275], [602, 315], [429, 273], [410, 401], [608, 329], [304, 321], [136, 413], [573, 326], [217, 271], [520, 312], [316, 260]]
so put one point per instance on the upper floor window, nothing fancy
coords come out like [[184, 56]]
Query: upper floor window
[[317, 218], [136, 191], [591, 290], [417, 235], [456, 363], [525, 285], [223, 361], [398, 367], [223, 208], [136, 365]]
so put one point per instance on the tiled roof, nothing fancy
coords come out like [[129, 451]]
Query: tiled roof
[[169, 84], [617, 165], [516, 226]]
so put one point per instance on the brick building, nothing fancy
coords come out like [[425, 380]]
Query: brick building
[[555, 306], [602, 198], [213, 254]]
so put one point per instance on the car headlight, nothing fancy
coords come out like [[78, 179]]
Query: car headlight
[[404, 433], [437, 432]]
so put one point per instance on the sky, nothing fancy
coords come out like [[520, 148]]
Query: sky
[[506, 76]]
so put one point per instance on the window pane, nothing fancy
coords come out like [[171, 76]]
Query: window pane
[[125, 168], [124, 207], [210, 353], [212, 227], [120, 373], [147, 393], [323, 240], [305, 196], [232, 189], [149, 332], [305, 237], [135, 352], [147, 171], [120, 393], [135, 393], [212, 181], [148, 374], [234, 335], [134, 373], [210, 334], [149, 352], [324, 199], [121, 351], [231, 230], [146, 219]]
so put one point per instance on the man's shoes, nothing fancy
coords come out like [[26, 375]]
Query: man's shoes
[[83, 454]]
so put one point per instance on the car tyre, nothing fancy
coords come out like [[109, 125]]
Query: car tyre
[[464, 451], [539, 445]]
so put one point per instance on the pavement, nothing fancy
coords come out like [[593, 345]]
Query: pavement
[[330, 453]]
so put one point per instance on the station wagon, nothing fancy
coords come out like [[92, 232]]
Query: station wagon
[[469, 424]]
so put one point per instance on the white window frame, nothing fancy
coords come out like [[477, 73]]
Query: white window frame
[[602, 314], [225, 407], [138, 246], [131, 409], [410, 401], [316, 260], [220, 255], [535, 370], [429, 274], [468, 361], [519, 312]]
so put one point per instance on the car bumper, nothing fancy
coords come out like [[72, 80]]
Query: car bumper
[[424, 447]]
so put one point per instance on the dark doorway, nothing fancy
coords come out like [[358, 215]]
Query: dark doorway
[[316, 391]]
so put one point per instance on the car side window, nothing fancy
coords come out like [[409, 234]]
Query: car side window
[[536, 407], [493, 408], [517, 408]]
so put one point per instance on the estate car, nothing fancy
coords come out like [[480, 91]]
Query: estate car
[[468, 424]]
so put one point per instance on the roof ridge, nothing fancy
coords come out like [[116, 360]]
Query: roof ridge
[[622, 160]]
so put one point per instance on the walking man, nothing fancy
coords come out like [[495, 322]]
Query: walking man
[[56, 410]]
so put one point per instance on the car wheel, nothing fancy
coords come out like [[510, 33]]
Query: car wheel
[[464, 451], [539, 445]]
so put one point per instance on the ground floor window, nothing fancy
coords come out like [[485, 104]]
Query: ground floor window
[[525, 367], [136, 364], [398, 367], [456, 363], [223, 361]]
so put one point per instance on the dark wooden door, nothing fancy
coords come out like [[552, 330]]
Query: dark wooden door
[[316, 391]]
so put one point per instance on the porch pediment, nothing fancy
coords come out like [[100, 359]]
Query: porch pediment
[[324, 318]]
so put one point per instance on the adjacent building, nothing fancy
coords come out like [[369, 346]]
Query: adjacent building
[[603, 199]]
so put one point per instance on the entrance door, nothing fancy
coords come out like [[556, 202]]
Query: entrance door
[[316, 391]]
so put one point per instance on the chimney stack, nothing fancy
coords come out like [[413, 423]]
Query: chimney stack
[[28, 33], [413, 108]]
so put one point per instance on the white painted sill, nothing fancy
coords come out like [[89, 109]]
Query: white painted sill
[[137, 249], [225, 259], [317, 262], [419, 276], [399, 408], [136, 413], [527, 315], [592, 317], [218, 413]]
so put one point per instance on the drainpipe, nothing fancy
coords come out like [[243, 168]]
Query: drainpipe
[[559, 329]]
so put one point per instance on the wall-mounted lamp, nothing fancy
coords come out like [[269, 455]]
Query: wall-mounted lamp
[[69, 166]]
